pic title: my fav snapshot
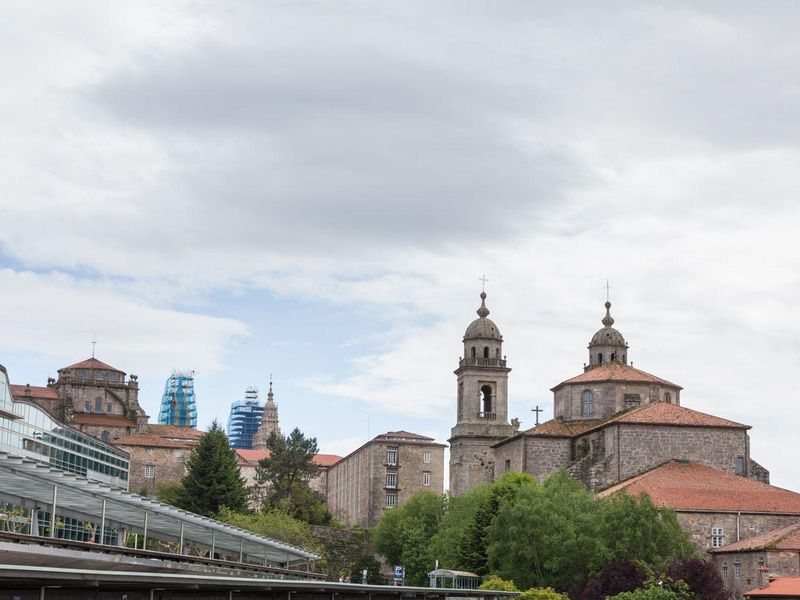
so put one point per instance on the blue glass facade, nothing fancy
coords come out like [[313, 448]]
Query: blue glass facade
[[244, 420], [177, 404], [27, 430]]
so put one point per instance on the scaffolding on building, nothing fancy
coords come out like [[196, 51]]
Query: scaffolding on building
[[178, 405], [244, 420]]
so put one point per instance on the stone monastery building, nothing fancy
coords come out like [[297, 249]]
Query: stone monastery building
[[612, 421]]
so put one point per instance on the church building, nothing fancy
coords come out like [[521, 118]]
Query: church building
[[611, 422]]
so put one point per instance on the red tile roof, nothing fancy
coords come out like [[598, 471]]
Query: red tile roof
[[785, 538], [616, 372], [163, 436], [92, 363], [656, 413], [102, 420], [323, 460], [664, 413], [781, 587], [686, 485], [33, 391]]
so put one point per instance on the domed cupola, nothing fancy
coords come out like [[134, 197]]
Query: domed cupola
[[482, 328], [607, 345]]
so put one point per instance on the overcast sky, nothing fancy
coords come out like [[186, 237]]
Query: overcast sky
[[312, 189]]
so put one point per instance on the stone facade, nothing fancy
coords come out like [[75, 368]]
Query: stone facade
[[269, 422], [382, 474], [610, 398], [158, 455]]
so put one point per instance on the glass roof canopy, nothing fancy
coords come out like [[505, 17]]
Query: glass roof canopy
[[31, 484]]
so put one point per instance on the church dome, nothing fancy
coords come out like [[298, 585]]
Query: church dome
[[608, 336], [482, 327]]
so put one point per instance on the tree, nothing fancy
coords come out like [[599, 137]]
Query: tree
[[702, 578], [614, 578], [498, 584], [541, 594], [403, 535], [373, 567], [286, 473], [212, 479], [657, 590]]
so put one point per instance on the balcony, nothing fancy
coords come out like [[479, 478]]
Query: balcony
[[482, 362], [488, 416]]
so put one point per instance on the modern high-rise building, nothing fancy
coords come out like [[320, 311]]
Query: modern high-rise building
[[244, 420], [177, 404]]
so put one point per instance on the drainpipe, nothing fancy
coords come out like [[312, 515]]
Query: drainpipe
[[738, 516]]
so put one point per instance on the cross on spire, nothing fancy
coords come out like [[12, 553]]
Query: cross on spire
[[483, 279], [608, 292], [94, 344], [537, 410]]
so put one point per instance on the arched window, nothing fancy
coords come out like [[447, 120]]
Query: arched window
[[613, 356], [486, 352], [668, 397], [587, 403], [473, 352], [600, 359], [98, 404], [104, 437], [486, 399]]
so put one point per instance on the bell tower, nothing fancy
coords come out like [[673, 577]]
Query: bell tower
[[482, 405]]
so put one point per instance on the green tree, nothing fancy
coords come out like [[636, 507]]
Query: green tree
[[212, 479], [274, 524], [403, 535], [169, 492], [286, 472], [657, 590]]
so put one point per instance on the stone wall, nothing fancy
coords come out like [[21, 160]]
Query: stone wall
[[698, 525], [609, 398], [740, 570], [544, 456], [169, 466], [472, 462]]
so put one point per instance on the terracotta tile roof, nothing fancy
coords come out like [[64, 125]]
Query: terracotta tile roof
[[33, 391], [686, 485], [407, 435], [248, 456], [664, 413], [102, 420], [785, 538], [561, 428], [91, 363], [163, 436], [781, 587], [615, 372]]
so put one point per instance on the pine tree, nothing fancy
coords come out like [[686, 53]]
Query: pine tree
[[212, 479]]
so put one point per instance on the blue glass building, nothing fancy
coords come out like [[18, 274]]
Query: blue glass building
[[244, 420], [177, 404]]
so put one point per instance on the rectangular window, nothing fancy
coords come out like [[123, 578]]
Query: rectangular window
[[391, 499], [426, 478], [87, 406], [752, 526], [391, 480], [391, 456], [508, 465], [740, 470], [717, 537], [150, 471], [426, 457], [737, 569], [109, 407], [725, 569]]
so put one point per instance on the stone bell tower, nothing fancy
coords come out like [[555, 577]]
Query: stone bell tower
[[482, 415]]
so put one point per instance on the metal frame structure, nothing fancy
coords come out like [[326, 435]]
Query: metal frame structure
[[177, 404]]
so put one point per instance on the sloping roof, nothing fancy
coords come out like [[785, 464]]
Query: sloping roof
[[102, 420], [33, 391], [403, 435], [561, 428], [92, 363], [323, 460], [664, 413], [615, 372], [687, 485], [781, 587], [163, 436], [785, 538]]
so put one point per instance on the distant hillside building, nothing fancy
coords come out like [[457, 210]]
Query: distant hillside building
[[244, 419], [158, 455], [382, 474], [178, 403], [92, 397]]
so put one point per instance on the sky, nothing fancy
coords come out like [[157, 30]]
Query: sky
[[312, 190]]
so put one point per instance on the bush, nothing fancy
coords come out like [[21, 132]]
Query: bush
[[497, 584], [542, 594]]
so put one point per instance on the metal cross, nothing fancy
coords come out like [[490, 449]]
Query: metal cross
[[608, 292], [537, 410], [483, 279], [94, 343]]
